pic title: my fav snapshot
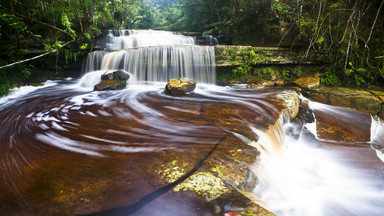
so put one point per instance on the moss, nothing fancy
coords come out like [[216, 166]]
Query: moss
[[205, 184], [235, 55], [202, 183]]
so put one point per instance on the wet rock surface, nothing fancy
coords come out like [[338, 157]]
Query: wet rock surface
[[265, 83], [342, 125], [308, 83], [291, 101], [146, 155], [345, 97]]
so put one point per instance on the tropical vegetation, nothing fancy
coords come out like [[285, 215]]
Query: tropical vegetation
[[345, 36]]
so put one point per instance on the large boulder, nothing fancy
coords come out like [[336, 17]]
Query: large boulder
[[179, 86], [291, 101], [115, 75], [112, 80]]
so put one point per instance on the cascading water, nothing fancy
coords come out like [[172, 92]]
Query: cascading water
[[126, 39], [299, 175], [154, 56]]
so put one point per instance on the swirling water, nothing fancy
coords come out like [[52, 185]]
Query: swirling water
[[65, 148], [61, 144]]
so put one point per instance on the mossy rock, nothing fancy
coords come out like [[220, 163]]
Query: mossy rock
[[179, 86]]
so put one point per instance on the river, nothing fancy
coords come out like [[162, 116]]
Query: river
[[68, 150]]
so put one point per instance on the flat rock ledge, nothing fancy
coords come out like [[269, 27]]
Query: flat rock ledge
[[310, 86], [367, 101]]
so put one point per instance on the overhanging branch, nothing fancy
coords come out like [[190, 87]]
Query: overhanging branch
[[36, 57]]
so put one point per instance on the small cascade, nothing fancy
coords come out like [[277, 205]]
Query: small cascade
[[377, 136], [271, 142], [300, 176], [153, 56]]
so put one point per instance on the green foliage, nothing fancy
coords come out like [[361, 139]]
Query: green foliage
[[12, 77], [71, 55], [251, 59], [84, 46], [357, 76], [336, 32], [50, 25], [331, 78], [65, 22], [242, 71], [57, 45]]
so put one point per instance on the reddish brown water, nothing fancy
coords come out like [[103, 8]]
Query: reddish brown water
[[66, 151]]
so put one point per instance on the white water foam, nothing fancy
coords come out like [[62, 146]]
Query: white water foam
[[377, 137], [310, 181], [24, 90]]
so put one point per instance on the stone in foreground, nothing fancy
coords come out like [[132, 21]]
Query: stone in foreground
[[179, 86]]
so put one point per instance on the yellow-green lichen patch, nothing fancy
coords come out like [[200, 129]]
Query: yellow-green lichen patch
[[239, 155], [84, 192], [205, 184], [171, 171]]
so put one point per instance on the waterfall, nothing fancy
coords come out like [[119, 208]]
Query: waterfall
[[125, 39], [154, 56]]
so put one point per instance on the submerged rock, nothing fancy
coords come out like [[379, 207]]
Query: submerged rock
[[180, 86], [110, 85]]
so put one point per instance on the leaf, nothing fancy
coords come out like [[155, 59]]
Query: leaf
[[84, 46], [320, 40]]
